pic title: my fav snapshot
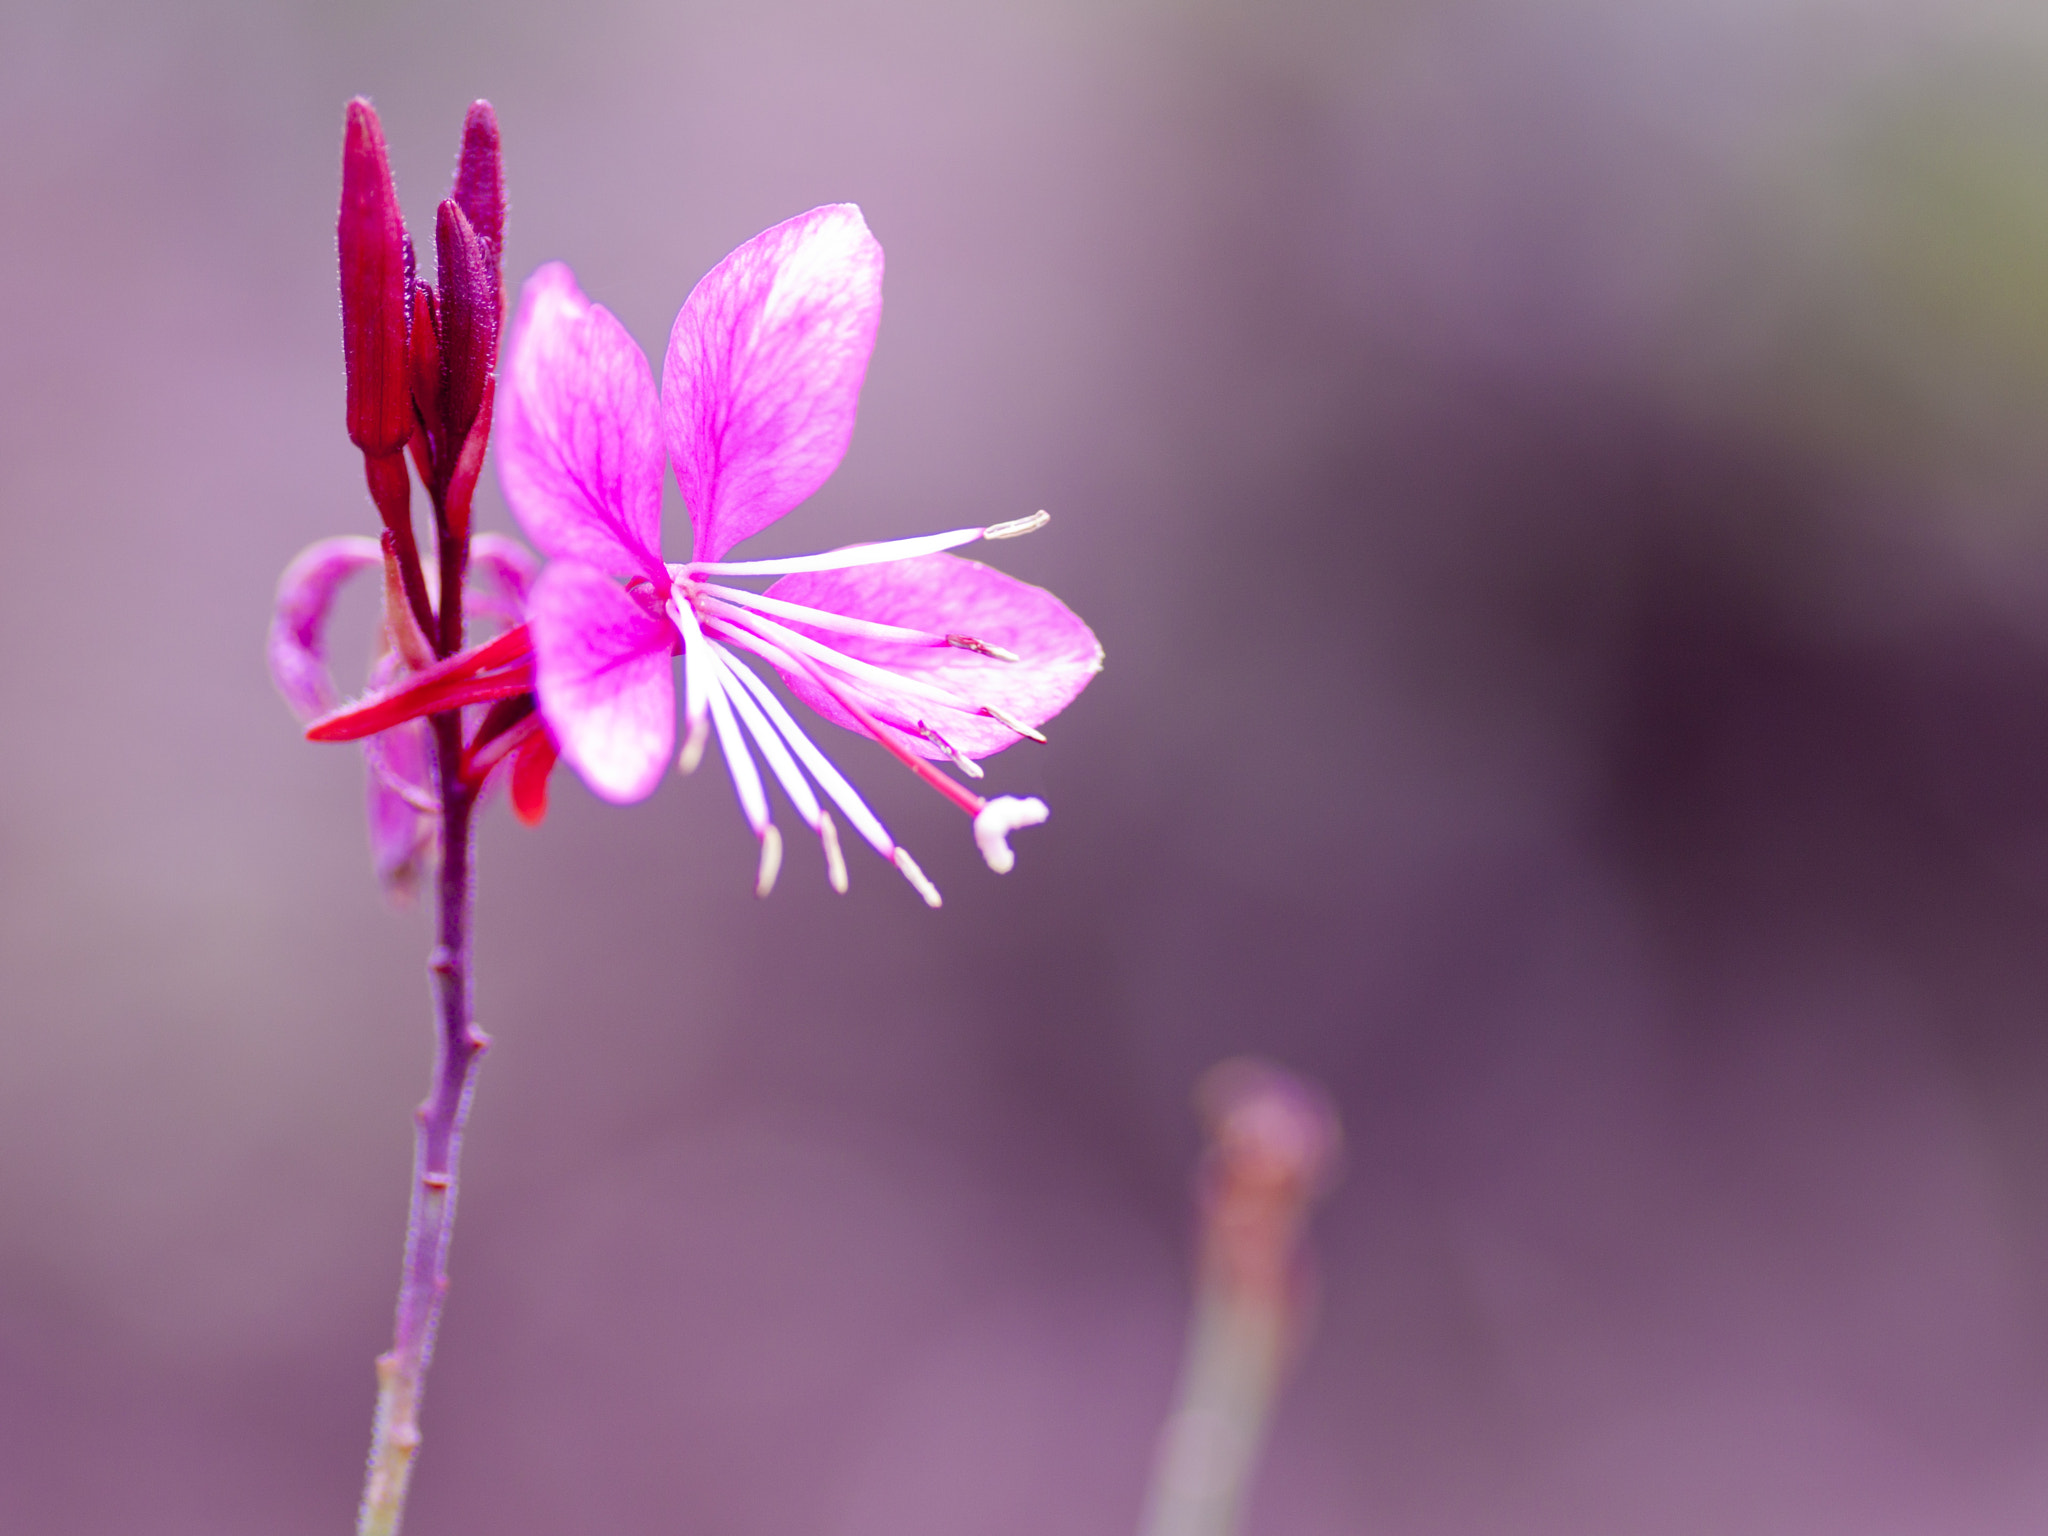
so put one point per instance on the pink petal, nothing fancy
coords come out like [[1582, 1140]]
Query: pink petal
[[604, 679], [579, 451], [298, 645], [764, 371], [946, 595]]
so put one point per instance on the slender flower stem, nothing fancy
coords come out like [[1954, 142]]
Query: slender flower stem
[[401, 1372], [1273, 1142]]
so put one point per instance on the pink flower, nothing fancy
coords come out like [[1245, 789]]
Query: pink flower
[[936, 657]]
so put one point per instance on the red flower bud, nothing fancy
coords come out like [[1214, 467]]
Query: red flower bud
[[480, 191], [371, 237], [468, 302]]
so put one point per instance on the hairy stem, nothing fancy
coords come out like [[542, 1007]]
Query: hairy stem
[[401, 1372]]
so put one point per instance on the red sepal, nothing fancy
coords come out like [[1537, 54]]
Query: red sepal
[[530, 770], [498, 669]]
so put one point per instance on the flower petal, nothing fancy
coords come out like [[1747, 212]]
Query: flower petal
[[764, 371], [579, 451], [946, 595], [298, 645], [604, 679]]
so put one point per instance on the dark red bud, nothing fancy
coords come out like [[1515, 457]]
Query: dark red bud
[[469, 463], [426, 374], [468, 302], [371, 237], [480, 190]]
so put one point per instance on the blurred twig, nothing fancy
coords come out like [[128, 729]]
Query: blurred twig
[[1273, 1143]]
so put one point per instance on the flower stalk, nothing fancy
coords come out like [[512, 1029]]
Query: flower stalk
[[421, 361], [437, 1151], [1273, 1146]]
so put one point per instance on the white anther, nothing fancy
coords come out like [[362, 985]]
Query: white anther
[[908, 866], [835, 861], [1017, 526], [980, 647], [693, 745], [960, 760], [1014, 724], [997, 820], [771, 860]]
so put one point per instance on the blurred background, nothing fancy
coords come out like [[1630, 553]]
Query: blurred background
[[1564, 491]]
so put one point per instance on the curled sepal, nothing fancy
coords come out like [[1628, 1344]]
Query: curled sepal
[[371, 238], [298, 641]]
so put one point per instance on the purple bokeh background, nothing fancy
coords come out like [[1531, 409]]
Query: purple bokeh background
[[1565, 495]]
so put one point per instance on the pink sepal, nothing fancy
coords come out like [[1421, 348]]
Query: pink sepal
[[298, 642]]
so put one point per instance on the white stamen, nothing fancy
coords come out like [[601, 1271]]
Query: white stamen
[[829, 778], [1016, 725], [739, 762], [771, 860], [691, 758], [916, 877], [998, 819], [825, 618], [1017, 527], [696, 685], [839, 661], [794, 784], [835, 861], [844, 559]]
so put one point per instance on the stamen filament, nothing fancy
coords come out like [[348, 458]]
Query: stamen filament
[[852, 666], [966, 799], [918, 882], [794, 784], [829, 778], [696, 686], [845, 558], [822, 618], [739, 762]]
